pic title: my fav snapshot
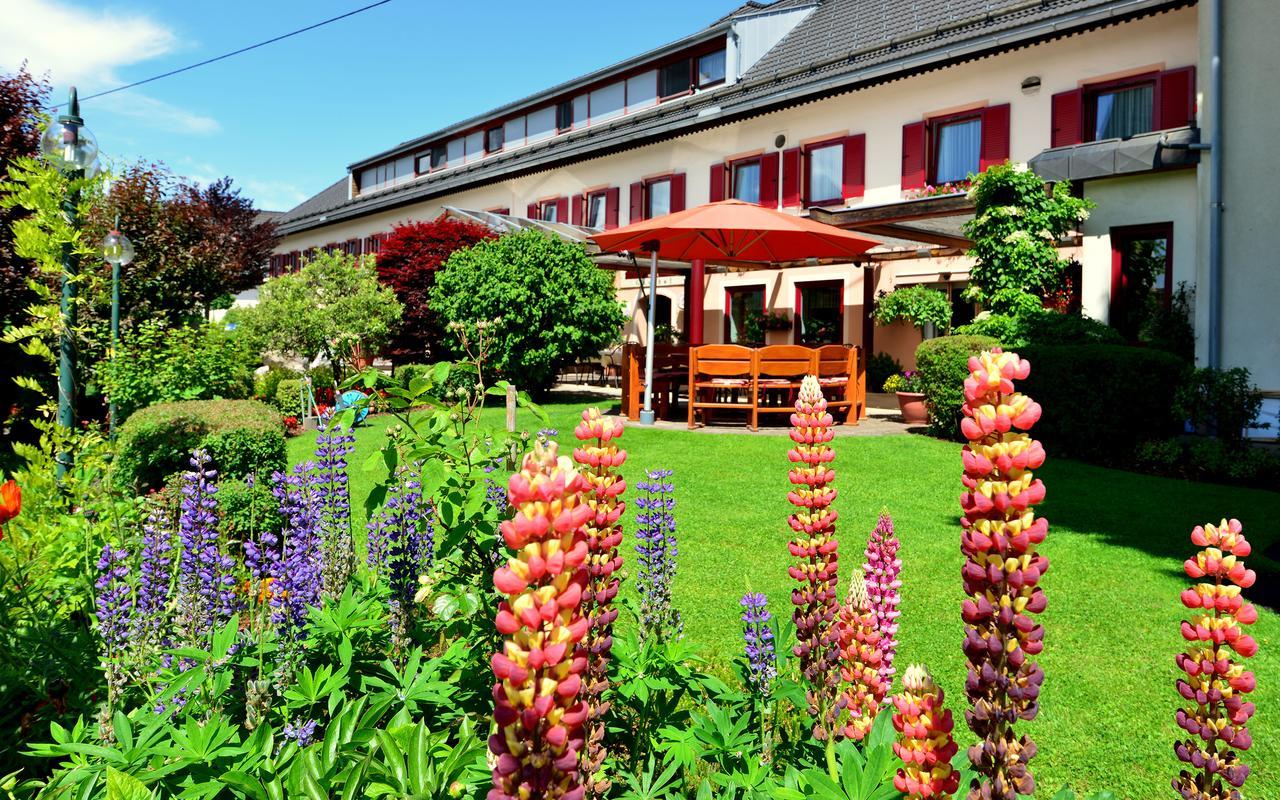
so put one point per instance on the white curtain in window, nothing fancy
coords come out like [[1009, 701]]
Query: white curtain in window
[[659, 198], [746, 182], [1124, 112], [595, 215], [826, 173], [958, 147]]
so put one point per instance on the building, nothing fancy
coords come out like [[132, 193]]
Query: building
[[853, 111]]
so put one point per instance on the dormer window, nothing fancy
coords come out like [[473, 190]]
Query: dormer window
[[711, 69], [564, 116], [675, 78], [493, 139]]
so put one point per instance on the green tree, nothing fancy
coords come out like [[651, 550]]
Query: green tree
[[1015, 231], [548, 301], [333, 306]]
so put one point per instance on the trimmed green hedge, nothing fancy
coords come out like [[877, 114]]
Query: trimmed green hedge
[[943, 364], [1101, 401], [241, 436]]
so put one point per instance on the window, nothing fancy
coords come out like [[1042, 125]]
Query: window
[[661, 312], [741, 302], [494, 139], [957, 147], [433, 159], [1117, 112], [457, 148], [608, 102], [962, 311], [675, 79], [711, 69], [541, 124], [549, 210], [820, 312], [564, 115], [745, 178], [597, 209], [824, 170], [513, 132], [657, 198], [642, 90], [1141, 275]]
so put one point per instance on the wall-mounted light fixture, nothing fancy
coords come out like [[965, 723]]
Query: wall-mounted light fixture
[[1031, 85]]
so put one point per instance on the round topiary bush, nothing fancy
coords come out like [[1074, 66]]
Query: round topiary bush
[[943, 364], [242, 437]]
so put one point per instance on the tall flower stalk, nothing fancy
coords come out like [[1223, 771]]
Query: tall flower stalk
[[814, 545], [883, 568], [155, 578], [333, 444], [860, 662], [1215, 685], [656, 553], [401, 548], [206, 582], [1001, 572], [757, 644], [114, 607], [537, 704], [925, 744], [600, 459]]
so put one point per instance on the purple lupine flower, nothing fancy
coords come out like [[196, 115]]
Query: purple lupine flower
[[304, 733], [402, 547], [883, 568], [548, 433], [757, 638], [114, 600], [298, 575], [205, 579], [333, 445], [657, 551], [155, 578]]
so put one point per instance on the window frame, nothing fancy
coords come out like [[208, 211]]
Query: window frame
[[805, 172], [697, 71], [1089, 93], [603, 194], [692, 78], [648, 183], [732, 180], [543, 205], [729, 292], [933, 128], [1125, 234], [502, 136], [562, 104], [797, 312]]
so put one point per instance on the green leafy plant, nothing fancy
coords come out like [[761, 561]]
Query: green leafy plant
[[908, 381], [943, 364], [1042, 326], [918, 305], [880, 367], [1223, 402], [1015, 231]]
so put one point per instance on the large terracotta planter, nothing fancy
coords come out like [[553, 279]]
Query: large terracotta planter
[[912, 406]]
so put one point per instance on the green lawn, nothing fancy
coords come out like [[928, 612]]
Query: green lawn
[[1116, 543]]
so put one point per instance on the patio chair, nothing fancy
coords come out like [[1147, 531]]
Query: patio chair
[[837, 374], [721, 376], [779, 369]]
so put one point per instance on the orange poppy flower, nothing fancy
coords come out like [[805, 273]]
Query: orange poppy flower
[[10, 501]]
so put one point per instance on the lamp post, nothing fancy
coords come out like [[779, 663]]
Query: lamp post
[[69, 146], [118, 251]]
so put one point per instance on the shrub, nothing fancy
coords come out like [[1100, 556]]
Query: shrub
[[1042, 327], [242, 437], [246, 510], [918, 305], [404, 374], [1223, 402], [548, 302], [288, 399], [880, 367], [159, 364], [1085, 386], [943, 364], [266, 384], [1170, 328]]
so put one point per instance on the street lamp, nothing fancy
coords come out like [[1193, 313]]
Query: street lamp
[[118, 251], [69, 146]]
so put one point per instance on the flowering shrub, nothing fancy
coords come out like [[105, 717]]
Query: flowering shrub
[[930, 190], [905, 381], [1215, 684], [1001, 570]]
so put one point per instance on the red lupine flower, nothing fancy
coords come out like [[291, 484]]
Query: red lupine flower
[[924, 744], [539, 670], [1001, 572], [815, 545], [1215, 686], [600, 459], [860, 662]]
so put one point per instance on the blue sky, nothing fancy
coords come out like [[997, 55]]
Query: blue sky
[[284, 120]]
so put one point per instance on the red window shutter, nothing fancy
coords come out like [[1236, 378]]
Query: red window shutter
[[717, 182], [769, 180], [611, 198], [913, 136], [995, 136], [1067, 113], [1176, 98], [578, 200], [677, 192], [562, 209], [532, 211], [637, 201], [855, 165], [791, 177]]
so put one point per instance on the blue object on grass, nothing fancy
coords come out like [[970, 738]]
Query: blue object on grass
[[350, 398]]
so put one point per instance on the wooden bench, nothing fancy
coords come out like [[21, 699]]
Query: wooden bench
[[842, 376], [779, 370], [721, 376], [670, 371]]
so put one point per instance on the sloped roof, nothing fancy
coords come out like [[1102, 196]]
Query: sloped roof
[[841, 46]]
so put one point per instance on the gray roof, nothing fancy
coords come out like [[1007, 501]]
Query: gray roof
[[840, 47]]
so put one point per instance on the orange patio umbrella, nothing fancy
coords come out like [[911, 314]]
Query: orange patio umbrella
[[725, 232]]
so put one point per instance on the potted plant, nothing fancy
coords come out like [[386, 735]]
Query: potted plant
[[909, 388], [759, 323]]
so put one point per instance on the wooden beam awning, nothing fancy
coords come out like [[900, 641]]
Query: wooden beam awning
[[920, 227]]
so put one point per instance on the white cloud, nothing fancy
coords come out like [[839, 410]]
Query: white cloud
[[87, 48], [273, 195]]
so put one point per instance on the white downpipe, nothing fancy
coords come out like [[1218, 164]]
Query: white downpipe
[[646, 414]]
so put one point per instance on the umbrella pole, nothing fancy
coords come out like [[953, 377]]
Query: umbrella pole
[[646, 414]]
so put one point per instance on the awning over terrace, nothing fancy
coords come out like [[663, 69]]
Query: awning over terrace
[[916, 228]]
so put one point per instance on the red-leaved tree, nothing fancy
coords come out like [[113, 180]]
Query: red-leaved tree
[[407, 263]]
